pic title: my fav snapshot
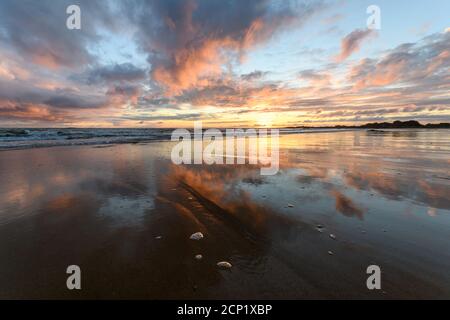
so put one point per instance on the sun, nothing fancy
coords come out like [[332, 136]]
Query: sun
[[264, 120]]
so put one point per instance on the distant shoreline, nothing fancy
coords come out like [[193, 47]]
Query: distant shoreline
[[411, 124]]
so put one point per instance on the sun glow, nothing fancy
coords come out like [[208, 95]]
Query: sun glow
[[264, 120]]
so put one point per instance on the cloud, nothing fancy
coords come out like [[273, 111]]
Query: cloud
[[12, 70], [10, 110], [36, 30], [71, 101], [333, 19], [189, 41], [255, 75], [24, 94], [352, 42], [315, 78], [217, 94], [126, 90], [426, 62], [124, 72], [186, 116], [121, 94], [189, 55]]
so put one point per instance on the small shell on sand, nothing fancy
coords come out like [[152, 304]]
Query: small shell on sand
[[196, 236], [158, 237], [332, 236], [330, 253], [224, 265], [198, 257], [190, 198], [290, 205]]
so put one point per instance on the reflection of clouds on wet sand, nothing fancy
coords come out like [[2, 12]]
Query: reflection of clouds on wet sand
[[217, 187], [125, 214], [135, 209], [405, 171], [346, 206]]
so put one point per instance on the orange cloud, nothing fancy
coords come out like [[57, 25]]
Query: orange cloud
[[192, 41], [192, 66], [28, 111]]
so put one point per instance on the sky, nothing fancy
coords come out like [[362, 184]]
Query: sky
[[227, 63]]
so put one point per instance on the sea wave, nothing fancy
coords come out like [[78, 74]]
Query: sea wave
[[32, 138], [20, 138]]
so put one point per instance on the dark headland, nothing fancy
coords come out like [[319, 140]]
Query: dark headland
[[410, 124]]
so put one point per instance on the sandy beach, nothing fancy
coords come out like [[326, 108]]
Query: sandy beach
[[124, 213]]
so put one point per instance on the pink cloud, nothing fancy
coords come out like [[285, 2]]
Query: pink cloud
[[352, 42]]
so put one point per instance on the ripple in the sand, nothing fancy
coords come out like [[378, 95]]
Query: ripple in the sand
[[196, 236]]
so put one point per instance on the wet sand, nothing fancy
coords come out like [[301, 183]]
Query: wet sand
[[124, 214]]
